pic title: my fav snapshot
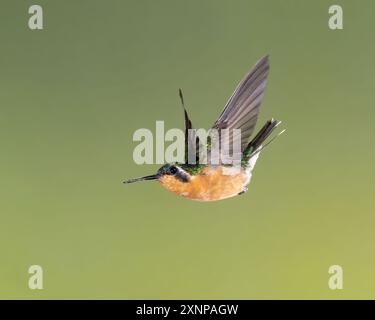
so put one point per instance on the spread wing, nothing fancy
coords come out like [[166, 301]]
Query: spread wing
[[242, 108], [240, 112]]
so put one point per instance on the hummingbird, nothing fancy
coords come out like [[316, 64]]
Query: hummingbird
[[211, 182]]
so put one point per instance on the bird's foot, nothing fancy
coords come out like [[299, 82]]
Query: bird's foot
[[243, 190]]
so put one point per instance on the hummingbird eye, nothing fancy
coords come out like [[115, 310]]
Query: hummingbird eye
[[173, 170]]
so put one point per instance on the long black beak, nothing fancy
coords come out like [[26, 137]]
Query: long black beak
[[152, 177]]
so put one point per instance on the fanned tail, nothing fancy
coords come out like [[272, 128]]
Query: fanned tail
[[256, 144], [263, 134]]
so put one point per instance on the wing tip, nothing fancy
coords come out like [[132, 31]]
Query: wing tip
[[181, 97], [265, 58], [263, 62]]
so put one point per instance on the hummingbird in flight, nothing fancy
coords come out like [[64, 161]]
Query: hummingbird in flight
[[208, 181]]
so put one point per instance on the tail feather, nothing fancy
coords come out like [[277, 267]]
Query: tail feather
[[263, 134], [256, 144]]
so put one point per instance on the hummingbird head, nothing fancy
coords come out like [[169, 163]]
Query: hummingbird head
[[168, 171]]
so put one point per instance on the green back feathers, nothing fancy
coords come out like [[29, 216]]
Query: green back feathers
[[193, 169]]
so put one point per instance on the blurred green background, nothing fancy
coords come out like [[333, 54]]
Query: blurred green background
[[73, 94]]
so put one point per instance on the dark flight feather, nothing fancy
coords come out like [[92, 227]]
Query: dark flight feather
[[188, 137]]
